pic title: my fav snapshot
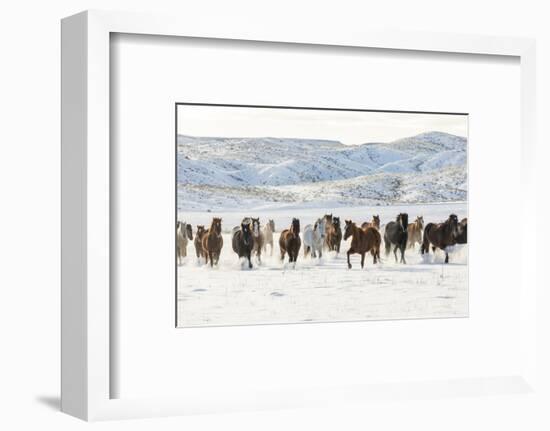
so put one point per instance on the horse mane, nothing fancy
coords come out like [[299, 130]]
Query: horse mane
[[295, 226]]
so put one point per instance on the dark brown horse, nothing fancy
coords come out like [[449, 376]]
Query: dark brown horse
[[440, 235], [290, 242], [414, 231], [198, 241], [462, 237], [334, 235], [212, 242], [362, 241], [243, 242], [396, 234], [374, 223]]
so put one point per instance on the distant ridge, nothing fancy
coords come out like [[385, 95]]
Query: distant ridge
[[429, 167]]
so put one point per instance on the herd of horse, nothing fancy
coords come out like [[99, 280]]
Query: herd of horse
[[249, 239]]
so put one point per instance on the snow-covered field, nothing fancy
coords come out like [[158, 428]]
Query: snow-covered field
[[321, 289]]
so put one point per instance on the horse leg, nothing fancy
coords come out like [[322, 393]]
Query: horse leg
[[373, 254], [403, 248], [350, 251], [249, 261], [211, 258], [362, 260], [395, 253], [446, 256], [387, 244], [282, 255]]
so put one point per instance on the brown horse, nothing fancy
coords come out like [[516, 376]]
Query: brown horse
[[440, 235], [334, 235], [212, 242], [198, 241], [328, 226], [290, 242], [414, 231], [362, 241], [374, 223]]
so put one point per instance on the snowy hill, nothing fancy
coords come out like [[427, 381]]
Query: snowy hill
[[216, 173]]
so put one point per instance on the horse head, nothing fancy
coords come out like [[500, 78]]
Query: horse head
[[200, 230], [403, 220], [216, 225], [452, 221], [376, 221], [189, 230], [247, 234], [336, 222], [295, 228], [420, 222], [320, 227], [256, 226], [348, 229], [272, 225]]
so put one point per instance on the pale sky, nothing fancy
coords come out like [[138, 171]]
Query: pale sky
[[348, 127]]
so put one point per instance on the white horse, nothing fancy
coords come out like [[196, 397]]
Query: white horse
[[314, 238], [268, 230], [184, 232]]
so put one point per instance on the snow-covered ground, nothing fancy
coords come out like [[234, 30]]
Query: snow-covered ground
[[321, 289]]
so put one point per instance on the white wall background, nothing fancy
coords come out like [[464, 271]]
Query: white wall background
[[29, 211]]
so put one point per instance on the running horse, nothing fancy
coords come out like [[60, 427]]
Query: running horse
[[290, 242], [396, 234], [362, 241], [212, 242], [440, 235], [414, 231]]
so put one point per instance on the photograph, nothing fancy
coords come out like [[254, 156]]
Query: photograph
[[301, 215]]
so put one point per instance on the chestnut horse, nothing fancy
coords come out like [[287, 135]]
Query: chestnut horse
[[212, 242], [362, 241], [440, 235], [414, 231], [334, 235], [374, 223], [290, 242]]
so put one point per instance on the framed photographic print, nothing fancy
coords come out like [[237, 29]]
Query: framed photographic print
[[223, 185], [275, 203]]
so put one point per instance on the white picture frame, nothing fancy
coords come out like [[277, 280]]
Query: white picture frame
[[86, 338]]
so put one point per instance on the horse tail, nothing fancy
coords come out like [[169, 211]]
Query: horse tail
[[425, 240], [387, 244]]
